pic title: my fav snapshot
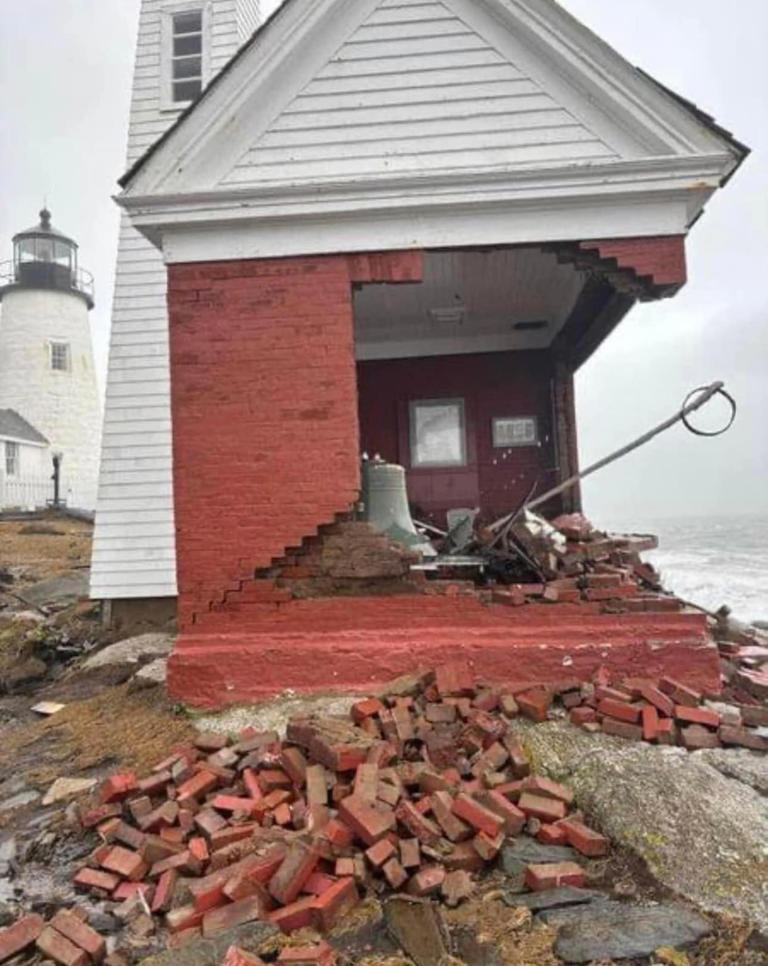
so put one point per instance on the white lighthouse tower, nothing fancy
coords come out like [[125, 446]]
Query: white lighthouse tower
[[47, 375], [181, 46]]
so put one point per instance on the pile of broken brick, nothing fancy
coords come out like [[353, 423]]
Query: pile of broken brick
[[416, 793], [576, 564], [662, 712]]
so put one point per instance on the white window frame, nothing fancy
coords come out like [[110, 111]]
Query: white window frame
[[55, 344], [12, 458], [168, 11], [500, 444], [418, 464]]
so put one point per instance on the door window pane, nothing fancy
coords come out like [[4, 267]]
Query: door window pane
[[438, 436]]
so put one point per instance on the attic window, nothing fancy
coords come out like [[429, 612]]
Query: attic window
[[187, 56]]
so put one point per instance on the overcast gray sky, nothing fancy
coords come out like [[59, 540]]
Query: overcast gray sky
[[65, 74]]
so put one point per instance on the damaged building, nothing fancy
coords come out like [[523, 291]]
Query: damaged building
[[395, 229]]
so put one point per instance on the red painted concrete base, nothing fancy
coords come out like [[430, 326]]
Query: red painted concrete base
[[305, 650]]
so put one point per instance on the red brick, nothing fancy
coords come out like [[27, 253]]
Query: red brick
[[452, 825], [208, 821], [702, 716], [657, 698], [224, 918], [650, 720], [395, 873], [426, 881], [580, 716], [488, 847], [534, 704], [454, 680], [166, 814], [583, 838], [365, 709], [80, 934], [366, 785], [163, 897], [513, 817], [229, 834], [697, 736], [211, 741], [118, 787], [549, 789], [380, 853], [230, 803], [338, 833], [127, 864], [620, 710], [543, 808], [477, 815], [410, 853], [735, 735], [417, 824], [94, 879], [611, 726], [183, 862], [19, 936], [58, 948], [184, 917], [297, 866], [298, 915], [321, 955], [198, 785], [335, 903], [370, 821], [554, 875], [518, 760], [95, 816], [318, 883], [679, 693], [552, 834], [127, 890]]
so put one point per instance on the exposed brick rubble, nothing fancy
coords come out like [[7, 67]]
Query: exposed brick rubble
[[350, 558], [580, 564], [416, 793]]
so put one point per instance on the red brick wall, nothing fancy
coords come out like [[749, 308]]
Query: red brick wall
[[491, 384], [264, 405]]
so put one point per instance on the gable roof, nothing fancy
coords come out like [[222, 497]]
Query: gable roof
[[263, 36], [14, 426]]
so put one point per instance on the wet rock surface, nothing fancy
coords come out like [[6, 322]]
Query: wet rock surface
[[609, 930], [703, 835], [553, 898]]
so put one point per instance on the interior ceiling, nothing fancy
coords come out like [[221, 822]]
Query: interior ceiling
[[495, 289]]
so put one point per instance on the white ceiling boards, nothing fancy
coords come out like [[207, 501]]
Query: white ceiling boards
[[414, 111]]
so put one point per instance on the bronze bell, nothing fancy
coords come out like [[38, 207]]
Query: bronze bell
[[385, 501]]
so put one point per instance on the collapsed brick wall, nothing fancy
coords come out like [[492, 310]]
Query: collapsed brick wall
[[264, 406]]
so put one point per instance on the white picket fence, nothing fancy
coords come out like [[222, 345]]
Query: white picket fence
[[29, 493]]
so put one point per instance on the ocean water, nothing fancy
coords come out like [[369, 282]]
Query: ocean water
[[711, 560]]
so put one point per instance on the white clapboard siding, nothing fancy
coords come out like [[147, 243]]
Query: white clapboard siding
[[134, 538], [414, 88]]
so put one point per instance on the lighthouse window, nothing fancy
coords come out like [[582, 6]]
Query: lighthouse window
[[60, 356], [11, 459], [187, 55]]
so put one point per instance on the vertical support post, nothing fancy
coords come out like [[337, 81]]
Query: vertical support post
[[565, 434]]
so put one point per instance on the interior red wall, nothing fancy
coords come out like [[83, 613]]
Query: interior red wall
[[492, 385]]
